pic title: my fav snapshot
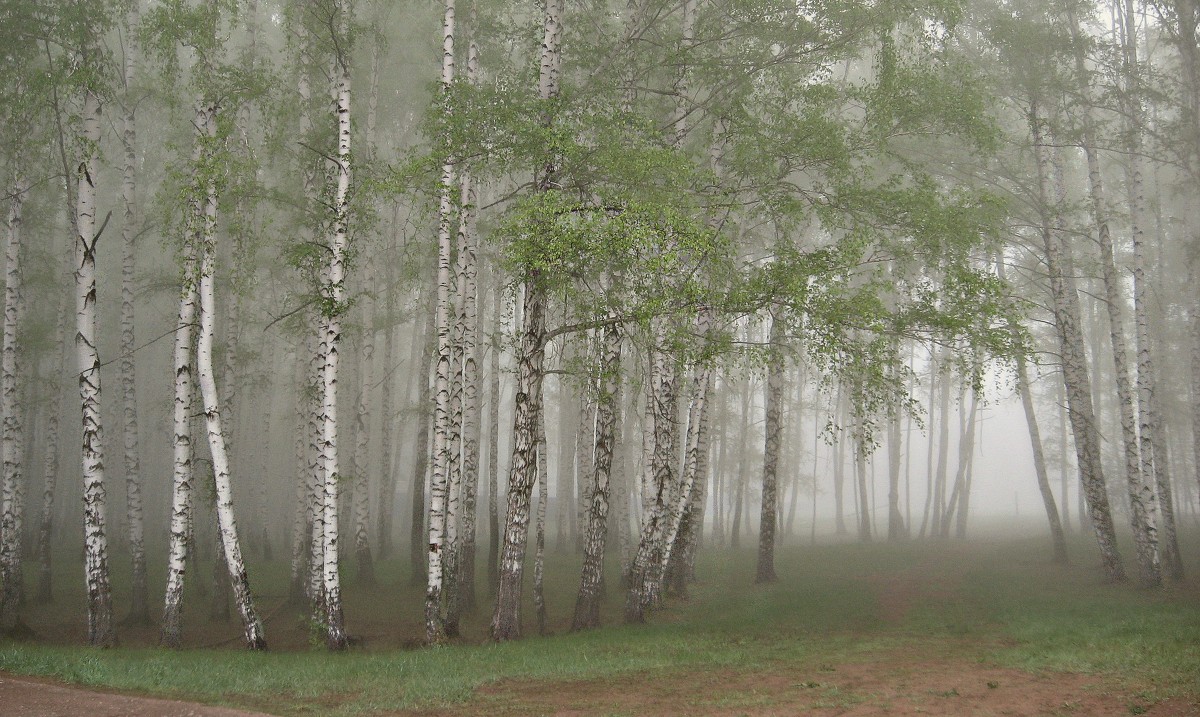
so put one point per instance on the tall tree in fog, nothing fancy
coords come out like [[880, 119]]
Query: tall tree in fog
[[599, 472], [331, 309], [139, 606], [1065, 298], [506, 621], [440, 481], [12, 429], [773, 432], [101, 630], [198, 29]]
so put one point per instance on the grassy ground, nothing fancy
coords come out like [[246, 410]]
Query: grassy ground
[[997, 602]]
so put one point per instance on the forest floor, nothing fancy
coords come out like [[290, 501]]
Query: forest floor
[[986, 627]]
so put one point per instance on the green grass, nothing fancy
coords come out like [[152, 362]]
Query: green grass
[[996, 603]]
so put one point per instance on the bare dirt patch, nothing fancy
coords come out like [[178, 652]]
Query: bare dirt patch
[[28, 697], [948, 688]]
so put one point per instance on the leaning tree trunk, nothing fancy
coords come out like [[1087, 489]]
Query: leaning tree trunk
[[1075, 375], [139, 605], [1039, 464], [587, 604], [101, 631], [252, 626], [12, 434], [1135, 478]]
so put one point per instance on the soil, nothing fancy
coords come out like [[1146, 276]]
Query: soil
[[951, 688], [30, 697]]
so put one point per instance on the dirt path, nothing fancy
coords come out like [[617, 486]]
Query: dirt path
[[28, 697]]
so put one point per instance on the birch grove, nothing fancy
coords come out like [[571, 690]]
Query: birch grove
[[670, 276]]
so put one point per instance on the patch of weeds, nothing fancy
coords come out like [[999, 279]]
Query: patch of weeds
[[835, 698], [1136, 709], [952, 692]]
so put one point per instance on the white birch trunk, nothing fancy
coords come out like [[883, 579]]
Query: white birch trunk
[[539, 556], [252, 626], [12, 435], [183, 475], [1154, 493], [681, 528], [332, 295], [466, 346], [608, 404], [1115, 304], [439, 488], [1076, 380], [101, 631]]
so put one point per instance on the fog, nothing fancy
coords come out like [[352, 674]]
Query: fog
[[339, 285]]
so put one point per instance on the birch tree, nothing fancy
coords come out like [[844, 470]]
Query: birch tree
[[139, 607]]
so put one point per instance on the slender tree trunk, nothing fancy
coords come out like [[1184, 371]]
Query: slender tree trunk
[[183, 476], [587, 604], [682, 519], [45, 591], [1075, 376], [506, 622], [739, 486], [101, 631], [1155, 488], [1039, 464], [1136, 479], [645, 582], [419, 527], [1187, 39], [469, 340], [12, 437], [962, 482], [896, 525], [864, 504], [439, 488], [493, 569], [139, 606], [774, 433], [539, 557], [362, 443], [301, 523], [939, 485], [251, 624], [330, 343]]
